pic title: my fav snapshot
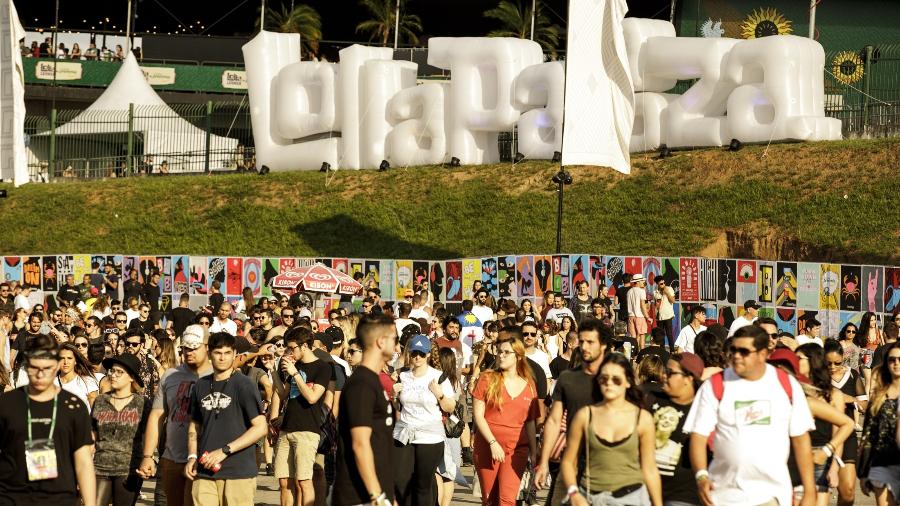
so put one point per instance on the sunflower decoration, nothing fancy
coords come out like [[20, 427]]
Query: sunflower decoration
[[764, 22], [847, 67]]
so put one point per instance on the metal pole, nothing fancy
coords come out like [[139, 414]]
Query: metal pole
[[397, 26], [209, 110], [51, 169], [533, 7], [262, 16], [559, 216], [128, 30], [812, 18], [866, 75], [129, 154], [672, 13]]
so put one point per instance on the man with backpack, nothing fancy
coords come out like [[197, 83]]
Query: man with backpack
[[749, 404], [300, 385]]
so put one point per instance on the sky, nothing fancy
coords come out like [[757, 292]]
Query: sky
[[236, 17]]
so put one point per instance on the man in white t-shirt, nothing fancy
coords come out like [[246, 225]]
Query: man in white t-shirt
[[559, 310], [638, 312], [481, 310], [418, 307], [752, 406], [403, 320], [529, 338], [665, 311], [685, 340], [811, 334], [751, 313], [223, 322]]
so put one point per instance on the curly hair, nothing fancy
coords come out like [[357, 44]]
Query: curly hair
[[710, 349]]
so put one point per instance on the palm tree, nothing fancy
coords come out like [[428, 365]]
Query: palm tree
[[303, 19], [515, 21], [381, 26]]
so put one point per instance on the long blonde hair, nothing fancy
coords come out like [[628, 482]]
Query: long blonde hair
[[494, 394]]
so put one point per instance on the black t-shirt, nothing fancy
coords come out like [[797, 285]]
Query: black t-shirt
[[73, 431], [580, 308], [673, 457], [132, 289], [659, 351], [69, 294], [540, 378], [224, 410], [558, 365], [151, 295], [576, 389], [364, 403], [300, 415], [216, 300], [181, 318], [22, 339], [622, 297], [147, 325]]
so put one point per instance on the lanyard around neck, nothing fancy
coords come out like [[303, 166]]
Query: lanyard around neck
[[52, 418]]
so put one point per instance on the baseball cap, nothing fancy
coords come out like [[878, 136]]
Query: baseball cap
[[692, 364], [420, 343], [751, 303], [194, 336], [334, 335]]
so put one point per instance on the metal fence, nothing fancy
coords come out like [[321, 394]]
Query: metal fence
[[862, 89], [182, 138]]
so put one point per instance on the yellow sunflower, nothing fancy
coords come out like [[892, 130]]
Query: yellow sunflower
[[764, 22], [847, 67]]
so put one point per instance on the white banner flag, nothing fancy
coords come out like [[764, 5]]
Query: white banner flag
[[13, 164], [599, 101]]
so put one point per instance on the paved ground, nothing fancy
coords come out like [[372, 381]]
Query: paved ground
[[267, 493]]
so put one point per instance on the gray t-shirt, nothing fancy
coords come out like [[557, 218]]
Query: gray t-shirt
[[120, 435], [174, 396]]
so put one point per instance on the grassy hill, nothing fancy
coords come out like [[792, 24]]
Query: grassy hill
[[819, 201]]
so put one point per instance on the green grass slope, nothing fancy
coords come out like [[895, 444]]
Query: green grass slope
[[816, 201]]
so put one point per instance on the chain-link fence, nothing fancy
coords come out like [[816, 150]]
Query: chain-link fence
[[145, 140], [862, 89]]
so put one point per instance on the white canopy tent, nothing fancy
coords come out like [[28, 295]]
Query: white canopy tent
[[165, 135]]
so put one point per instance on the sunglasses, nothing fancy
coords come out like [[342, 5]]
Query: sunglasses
[[279, 345], [287, 316], [532, 334], [893, 360], [419, 354], [81, 345], [744, 352], [616, 380], [672, 372], [131, 344], [850, 331], [121, 321]]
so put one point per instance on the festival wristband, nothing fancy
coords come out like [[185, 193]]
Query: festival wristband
[[840, 462], [192, 456], [572, 490], [702, 474], [827, 451]]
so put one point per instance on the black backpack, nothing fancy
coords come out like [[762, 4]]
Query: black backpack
[[453, 422]]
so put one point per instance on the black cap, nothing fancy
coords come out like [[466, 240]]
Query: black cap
[[335, 335], [751, 303], [129, 362]]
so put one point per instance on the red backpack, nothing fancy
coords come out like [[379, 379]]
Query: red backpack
[[718, 387]]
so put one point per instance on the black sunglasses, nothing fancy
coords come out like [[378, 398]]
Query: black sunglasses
[[736, 350]]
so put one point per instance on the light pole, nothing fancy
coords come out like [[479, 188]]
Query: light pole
[[533, 7], [561, 178], [397, 26]]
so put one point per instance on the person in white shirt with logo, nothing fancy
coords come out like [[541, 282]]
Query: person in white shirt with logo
[[753, 403], [481, 309], [811, 334], [751, 313]]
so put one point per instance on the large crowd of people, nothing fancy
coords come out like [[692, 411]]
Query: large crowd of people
[[589, 398], [45, 49]]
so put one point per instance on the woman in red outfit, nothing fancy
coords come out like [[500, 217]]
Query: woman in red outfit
[[505, 406]]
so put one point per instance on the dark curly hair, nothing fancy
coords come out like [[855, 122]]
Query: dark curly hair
[[710, 349]]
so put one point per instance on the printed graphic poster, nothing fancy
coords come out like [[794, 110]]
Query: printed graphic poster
[[786, 286], [165, 303], [234, 276], [146, 268], [804, 315], [829, 286], [341, 265], [543, 275], [746, 291], [831, 322], [403, 270], [489, 276], [525, 278], [766, 283], [786, 319], [420, 276], [851, 317], [598, 274], [454, 281], [304, 262], [12, 268], [372, 278], [808, 285], [49, 279], [712, 314], [31, 272], [615, 270], [253, 275], [708, 279], [128, 264], [216, 272], [850, 289], [506, 276], [198, 276], [180, 275], [651, 268], [581, 271], [471, 273], [165, 270], [561, 275], [324, 261], [689, 279], [670, 274], [891, 289], [746, 272], [270, 270], [286, 263], [727, 314], [872, 289], [633, 265], [356, 266], [81, 266], [436, 281], [388, 279], [727, 281]]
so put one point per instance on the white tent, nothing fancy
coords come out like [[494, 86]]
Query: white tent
[[165, 135], [12, 97]]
